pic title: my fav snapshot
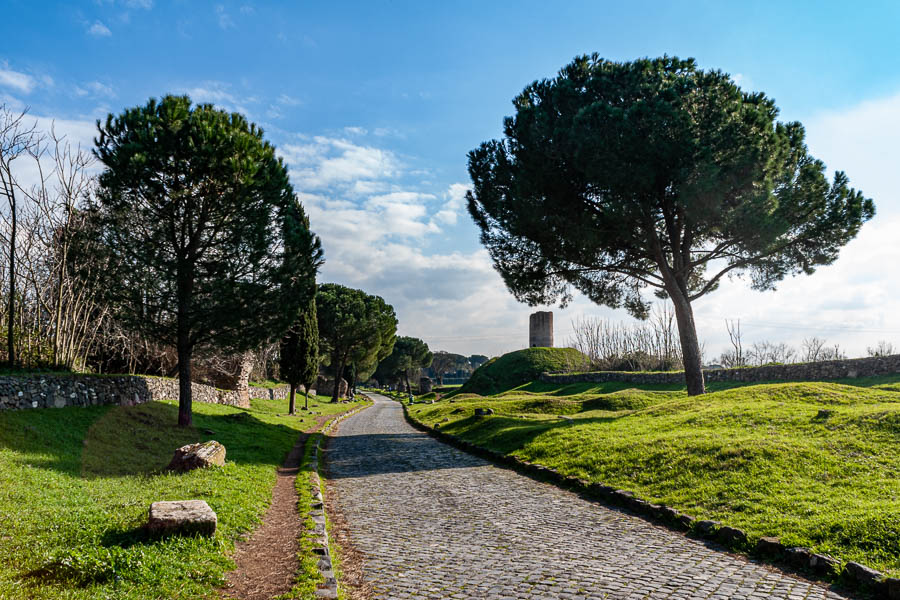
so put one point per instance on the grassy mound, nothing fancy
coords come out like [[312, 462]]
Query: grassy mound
[[516, 368], [815, 464], [76, 484]]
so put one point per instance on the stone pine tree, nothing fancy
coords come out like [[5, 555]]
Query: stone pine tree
[[354, 328], [408, 356], [300, 353], [203, 242], [618, 178]]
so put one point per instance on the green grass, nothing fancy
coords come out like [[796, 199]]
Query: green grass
[[757, 457], [516, 368], [76, 485], [267, 384]]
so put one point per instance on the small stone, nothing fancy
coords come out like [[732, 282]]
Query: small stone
[[182, 517], [687, 521], [799, 557], [732, 535], [707, 528], [824, 564], [198, 456], [862, 574], [769, 545], [667, 512], [892, 588]]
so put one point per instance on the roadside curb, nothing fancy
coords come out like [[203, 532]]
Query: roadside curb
[[820, 567], [321, 541]]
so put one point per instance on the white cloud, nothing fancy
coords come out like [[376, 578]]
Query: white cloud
[[329, 161], [21, 82], [355, 130], [220, 94], [95, 89], [98, 29], [225, 20], [862, 141], [247, 9], [455, 201], [286, 100]]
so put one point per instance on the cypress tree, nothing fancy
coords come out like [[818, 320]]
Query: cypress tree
[[300, 353]]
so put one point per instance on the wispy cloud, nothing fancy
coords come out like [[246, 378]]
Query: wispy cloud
[[98, 29], [16, 80], [225, 20], [95, 89]]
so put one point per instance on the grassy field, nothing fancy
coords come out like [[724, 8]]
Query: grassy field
[[76, 484], [516, 368], [816, 464]]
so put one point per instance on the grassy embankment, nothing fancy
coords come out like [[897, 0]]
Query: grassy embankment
[[816, 464], [76, 484]]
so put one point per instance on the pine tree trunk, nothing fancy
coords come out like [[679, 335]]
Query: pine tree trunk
[[306, 401], [339, 373], [291, 402], [184, 385], [184, 346], [690, 345]]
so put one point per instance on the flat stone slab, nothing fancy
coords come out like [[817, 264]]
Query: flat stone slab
[[198, 456], [182, 517]]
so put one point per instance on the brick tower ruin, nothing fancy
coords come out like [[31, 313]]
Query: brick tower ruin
[[540, 330]]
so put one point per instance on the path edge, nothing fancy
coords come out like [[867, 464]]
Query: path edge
[[819, 567], [322, 546]]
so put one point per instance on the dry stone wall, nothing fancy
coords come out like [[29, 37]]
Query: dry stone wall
[[282, 392], [58, 391], [818, 371]]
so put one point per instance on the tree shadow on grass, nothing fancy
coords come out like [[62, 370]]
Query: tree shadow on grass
[[121, 441]]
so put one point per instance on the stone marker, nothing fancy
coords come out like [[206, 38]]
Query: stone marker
[[198, 456], [182, 517]]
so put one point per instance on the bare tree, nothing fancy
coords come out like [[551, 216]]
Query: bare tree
[[651, 345], [882, 348], [16, 139], [734, 357], [768, 353]]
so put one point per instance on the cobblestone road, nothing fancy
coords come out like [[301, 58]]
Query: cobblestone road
[[435, 522]]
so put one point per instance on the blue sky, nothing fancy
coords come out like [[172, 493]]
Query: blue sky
[[375, 104]]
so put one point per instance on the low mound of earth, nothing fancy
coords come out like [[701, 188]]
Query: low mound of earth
[[516, 368], [815, 464]]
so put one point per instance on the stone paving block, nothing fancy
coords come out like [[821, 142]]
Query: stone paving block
[[435, 522]]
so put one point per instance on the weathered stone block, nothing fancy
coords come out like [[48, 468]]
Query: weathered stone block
[[732, 536], [182, 517], [824, 564], [892, 588], [707, 528], [800, 558], [862, 574], [769, 545], [198, 456]]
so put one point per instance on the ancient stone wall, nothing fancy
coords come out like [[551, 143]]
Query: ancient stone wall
[[282, 392], [817, 371], [49, 391]]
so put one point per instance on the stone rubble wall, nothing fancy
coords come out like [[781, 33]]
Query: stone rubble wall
[[282, 392], [58, 391], [817, 371]]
